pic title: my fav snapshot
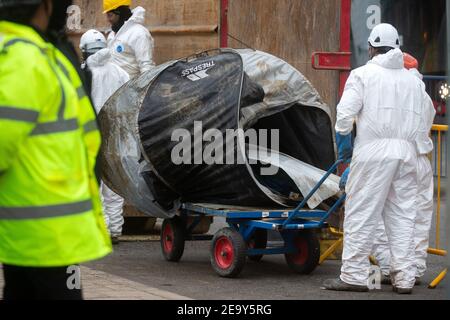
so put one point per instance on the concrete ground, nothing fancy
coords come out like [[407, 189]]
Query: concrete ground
[[271, 279], [98, 285], [136, 270]]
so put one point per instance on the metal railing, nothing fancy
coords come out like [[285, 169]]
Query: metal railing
[[439, 131], [439, 155], [433, 85]]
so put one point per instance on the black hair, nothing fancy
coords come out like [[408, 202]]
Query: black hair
[[19, 14], [381, 50], [123, 11]]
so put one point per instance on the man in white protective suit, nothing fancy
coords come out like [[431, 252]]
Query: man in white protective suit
[[387, 103], [130, 42], [107, 78], [424, 200]]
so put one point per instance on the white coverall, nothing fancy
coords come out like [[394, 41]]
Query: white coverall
[[106, 79], [132, 46], [424, 203], [387, 103]]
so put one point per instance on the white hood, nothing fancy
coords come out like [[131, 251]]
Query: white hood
[[391, 60], [99, 59], [138, 16]]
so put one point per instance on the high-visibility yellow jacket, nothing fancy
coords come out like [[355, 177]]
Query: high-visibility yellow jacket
[[50, 210]]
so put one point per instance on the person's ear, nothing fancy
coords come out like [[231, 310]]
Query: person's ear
[[48, 7], [371, 52]]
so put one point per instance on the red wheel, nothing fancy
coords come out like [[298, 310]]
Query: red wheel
[[301, 256], [224, 253], [228, 253], [167, 238], [172, 239], [307, 255]]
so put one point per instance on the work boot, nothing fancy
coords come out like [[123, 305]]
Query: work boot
[[402, 290], [339, 285], [418, 281], [115, 240], [386, 280]]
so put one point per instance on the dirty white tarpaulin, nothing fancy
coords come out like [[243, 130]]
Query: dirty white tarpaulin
[[305, 176]]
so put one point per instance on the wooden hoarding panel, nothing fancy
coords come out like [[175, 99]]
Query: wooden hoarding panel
[[179, 27], [291, 30]]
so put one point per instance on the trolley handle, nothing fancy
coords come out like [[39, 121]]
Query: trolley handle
[[313, 191]]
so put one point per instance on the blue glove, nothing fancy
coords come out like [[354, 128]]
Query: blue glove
[[345, 147], [344, 179]]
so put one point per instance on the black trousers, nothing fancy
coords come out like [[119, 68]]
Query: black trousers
[[24, 283]]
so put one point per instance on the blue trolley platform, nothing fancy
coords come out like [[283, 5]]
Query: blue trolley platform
[[246, 235]]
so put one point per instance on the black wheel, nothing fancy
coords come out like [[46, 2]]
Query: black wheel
[[258, 241], [172, 239], [228, 253], [307, 257]]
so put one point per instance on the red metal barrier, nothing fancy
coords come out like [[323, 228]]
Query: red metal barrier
[[224, 23], [345, 27]]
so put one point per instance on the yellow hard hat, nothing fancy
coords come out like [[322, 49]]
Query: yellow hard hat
[[109, 5]]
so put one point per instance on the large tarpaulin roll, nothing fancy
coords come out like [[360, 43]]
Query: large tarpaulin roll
[[224, 90]]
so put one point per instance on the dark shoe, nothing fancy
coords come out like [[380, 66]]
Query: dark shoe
[[339, 285], [418, 282], [402, 290], [115, 240], [386, 280]]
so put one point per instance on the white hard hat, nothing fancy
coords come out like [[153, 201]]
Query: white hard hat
[[384, 35], [92, 41]]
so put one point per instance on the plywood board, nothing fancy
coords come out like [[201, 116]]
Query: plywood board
[[291, 30], [179, 27]]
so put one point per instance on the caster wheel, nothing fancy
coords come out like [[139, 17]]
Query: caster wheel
[[307, 257], [228, 253], [173, 239]]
